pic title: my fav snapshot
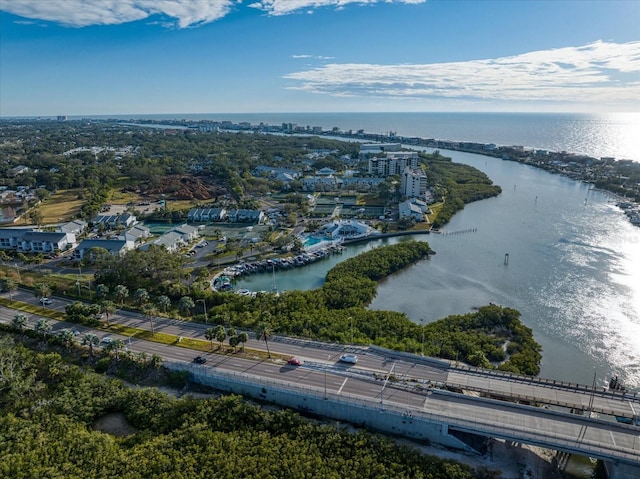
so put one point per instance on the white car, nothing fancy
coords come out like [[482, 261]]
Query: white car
[[45, 301], [107, 340], [349, 358]]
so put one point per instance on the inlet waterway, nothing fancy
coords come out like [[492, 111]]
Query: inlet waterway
[[573, 270]]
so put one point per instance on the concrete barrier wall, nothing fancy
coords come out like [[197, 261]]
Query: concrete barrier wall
[[358, 411]]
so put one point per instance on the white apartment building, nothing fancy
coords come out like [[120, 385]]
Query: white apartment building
[[414, 183], [393, 163]]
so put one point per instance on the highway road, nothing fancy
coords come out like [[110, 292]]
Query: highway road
[[414, 389], [412, 369]]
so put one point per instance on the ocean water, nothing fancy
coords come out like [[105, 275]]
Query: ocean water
[[598, 135]]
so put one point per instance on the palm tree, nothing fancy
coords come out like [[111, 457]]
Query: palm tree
[[91, 340], [149, 310], [210, 335], [43, 327], [221, 335], [141, 296], [115, 346], [265, 332], [186, 304], [164, 302], [107, 307], [102, 291], [9, 285], [19, 322], [67, 337], [42, 290], [233, 342], [243, 338], [121, 293]]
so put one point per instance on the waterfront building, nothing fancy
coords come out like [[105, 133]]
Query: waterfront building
[[413, 208], [393, 163], [414, 183], [346, 229]]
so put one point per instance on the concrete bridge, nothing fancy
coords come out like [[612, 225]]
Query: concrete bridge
[[452, 419]]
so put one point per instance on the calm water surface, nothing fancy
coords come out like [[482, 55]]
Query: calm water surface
[[573, 271]]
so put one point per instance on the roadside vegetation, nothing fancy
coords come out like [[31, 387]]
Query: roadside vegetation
[[55, 422], [149, 281]]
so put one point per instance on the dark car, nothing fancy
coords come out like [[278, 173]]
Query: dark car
[[199, 360]]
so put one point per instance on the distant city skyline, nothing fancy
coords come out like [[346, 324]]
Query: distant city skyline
[[92, 57]]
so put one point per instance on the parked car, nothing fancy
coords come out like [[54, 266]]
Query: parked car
[[45, 301], [295, 362], [107, 340], [199, 360], [349, 358]]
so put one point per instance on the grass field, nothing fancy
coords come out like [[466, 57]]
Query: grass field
[[63, 205]]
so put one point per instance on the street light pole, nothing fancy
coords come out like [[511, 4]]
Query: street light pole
[[351, 319], [204, 304], [422, 327]]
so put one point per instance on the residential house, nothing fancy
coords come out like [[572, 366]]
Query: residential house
[[137, 234], [247, 216], [124, 220], [413, 208], [188, 233], [361, 183], [171, 240], [115, 247], [203, 215], [76, 227], [45, 242], [319, 183]]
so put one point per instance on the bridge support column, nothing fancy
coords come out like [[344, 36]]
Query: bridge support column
[[617, 470]]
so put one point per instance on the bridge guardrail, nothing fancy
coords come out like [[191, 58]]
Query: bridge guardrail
[[490, 428]]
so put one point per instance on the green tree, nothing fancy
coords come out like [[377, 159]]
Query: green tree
[[120, 293], [43, 327], [67, 337], [35, 215], [243, 338], [221, 335], [149, 311], [265, 333], [164, 302], [210, 335], [107, 307], [19, 322], [233, 342], [141, 296], [9, 285], [102, 291], [115, 347], [186, 304], [92, 340]]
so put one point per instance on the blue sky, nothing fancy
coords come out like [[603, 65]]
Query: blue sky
[[100, 57]]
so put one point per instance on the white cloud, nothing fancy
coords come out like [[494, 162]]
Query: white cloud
[[81, 13], [187, 13], [597, 72], [311, 57], [284, 7]]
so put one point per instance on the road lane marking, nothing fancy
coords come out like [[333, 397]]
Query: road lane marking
[[613, 439], [343, 383]]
